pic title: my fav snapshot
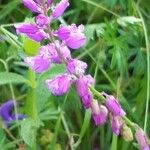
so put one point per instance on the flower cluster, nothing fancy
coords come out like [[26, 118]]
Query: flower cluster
[[58, 50], [7, 115]]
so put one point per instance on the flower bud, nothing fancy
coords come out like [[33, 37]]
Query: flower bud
[[116, 124], [26, 28], [60, 8], [42, 20], [99, 113], [32, 31], [59, 85], [30, 4], [142, 139], [82, 84], [113, 105], [49, 2], [127, 133], [46, 137]]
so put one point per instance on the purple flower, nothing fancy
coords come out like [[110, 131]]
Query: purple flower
[[99, 113], [65, 52], [82, 84], [6, 111], [38, 63], [113, 105], [32, 31], [42, 20], [26, 28], [75, 66], [60, 84], [76, 40], [72, 35], [49, 2], [116, 124], [142, 139], [38, 36], [33, 6], [63, 32], [18, 116], [60, 8]]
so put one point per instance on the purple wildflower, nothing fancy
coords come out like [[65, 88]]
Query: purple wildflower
[[113, 105], [60, 84], [65, 52], [82, 84], [26, 28], [6, 111], [38, 63], [76, 41], [32, 31], [49, 2], [72, 35], [33, 6], [42, 20], [63, 32], [116, 124], [75, 66], [60, 8], [142, 139], [99, 113]]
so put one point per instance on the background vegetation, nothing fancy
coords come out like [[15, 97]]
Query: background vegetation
[[118, 57]]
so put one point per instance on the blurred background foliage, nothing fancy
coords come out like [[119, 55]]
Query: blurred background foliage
[[116, 54]]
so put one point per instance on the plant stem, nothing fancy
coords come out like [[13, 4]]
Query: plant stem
[[102, 7], [31, 105], [148, 67], [12, 92], [96, 93]]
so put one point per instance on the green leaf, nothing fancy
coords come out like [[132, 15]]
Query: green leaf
[[85, 126], [114, 143], [124, 21], [27, 132], [7, 9], [97, 29], [11, 38], [31, 47], [8, 77], [86, 123], [42, 91]]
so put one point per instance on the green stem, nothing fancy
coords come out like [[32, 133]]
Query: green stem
[[96, 93], [129, 122], [31, 104], [148, 68], [12, 92], [114, 142], [71, 140], [102, 7]]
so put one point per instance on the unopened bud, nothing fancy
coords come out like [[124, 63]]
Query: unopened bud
[[127, 133], [142, 139]]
